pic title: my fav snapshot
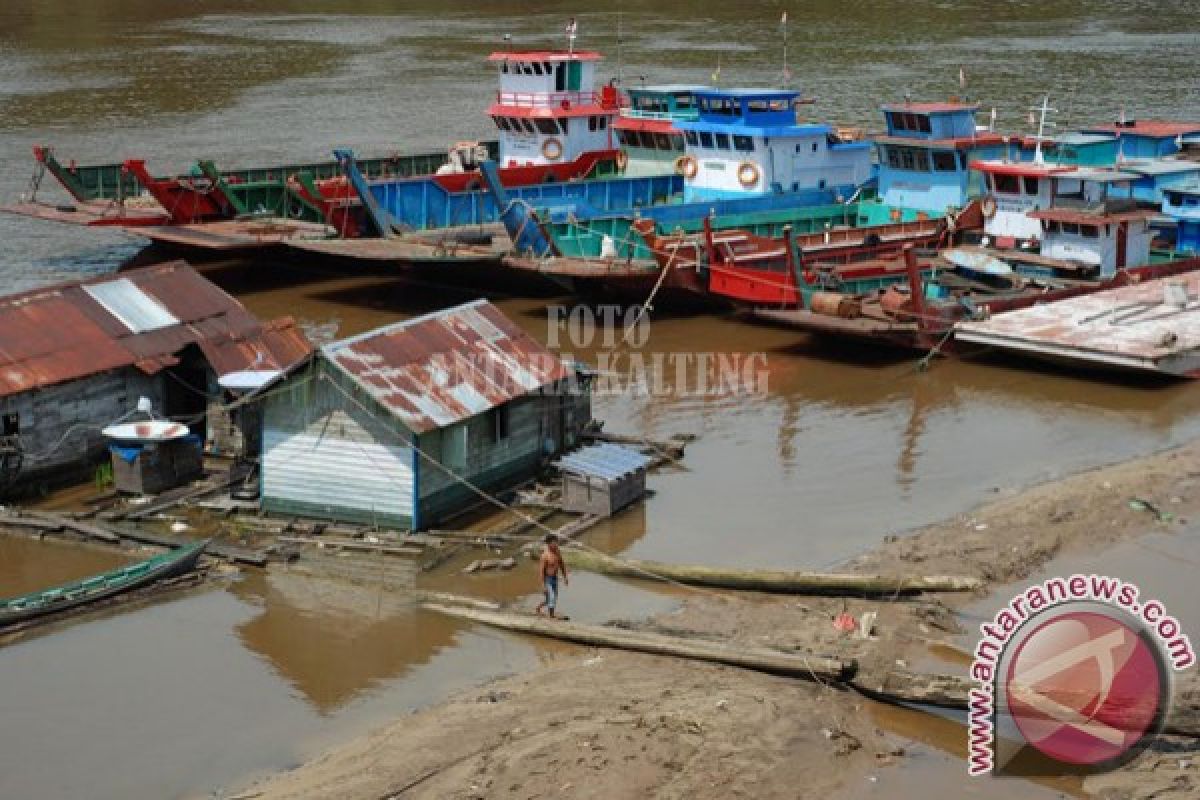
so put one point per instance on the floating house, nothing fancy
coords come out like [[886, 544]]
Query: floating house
[[76, 357], [924, 158], [650, 141], [1182, 204], [403, 426], [548, 109], [747, 142]]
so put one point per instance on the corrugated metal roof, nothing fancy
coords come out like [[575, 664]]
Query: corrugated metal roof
[[132, 307], [606, 461], [435, 370], [61, 333]]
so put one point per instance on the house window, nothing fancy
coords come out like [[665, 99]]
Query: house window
[[498, 423], [743, 143], [10, 424]]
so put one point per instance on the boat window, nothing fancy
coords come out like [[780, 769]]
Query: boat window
[[677, 141], [706, 140], [685, 102], [592, 124], [722, 141], [621, 138], [547, 126], [944, 161], [662, 141], [757, 105], [1031, 185], [1069, 187], [921, 161], [778, 105], [743, 143], [527, 125], [1070, 228], [907, 160], [503, 67], [562, 125], [690, 136], [1090, 231], [546, 68], [603, 123], [815, 145], [1050, 225], [891, 155], [537, 68], [501, 123], [1007, 184]]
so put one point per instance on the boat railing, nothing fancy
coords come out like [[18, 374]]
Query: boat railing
[[670, 116], [548, 99]]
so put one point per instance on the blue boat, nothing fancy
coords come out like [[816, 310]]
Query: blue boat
[[1182, 204]]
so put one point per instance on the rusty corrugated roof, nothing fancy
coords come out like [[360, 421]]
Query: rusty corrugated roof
[[60, 333], [435, 370]]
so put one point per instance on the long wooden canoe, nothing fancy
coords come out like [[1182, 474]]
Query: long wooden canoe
[[98, 587]]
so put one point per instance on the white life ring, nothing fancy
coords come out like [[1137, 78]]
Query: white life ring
[[748, 174], [552, 149], [687, 167]]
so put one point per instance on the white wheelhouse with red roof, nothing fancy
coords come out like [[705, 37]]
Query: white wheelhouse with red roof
[[548, 109]]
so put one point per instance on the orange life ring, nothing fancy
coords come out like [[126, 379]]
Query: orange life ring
[[687, 167], [988, 206], [748, 174], [552, 149], [622, 160]]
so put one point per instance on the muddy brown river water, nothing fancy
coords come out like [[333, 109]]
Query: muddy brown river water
[[843, 447]]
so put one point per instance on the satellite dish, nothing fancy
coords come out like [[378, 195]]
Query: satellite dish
[[248, 380], [151, 430]]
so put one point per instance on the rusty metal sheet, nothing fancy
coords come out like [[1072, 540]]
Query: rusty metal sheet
[[62, 333], [1131, 327], [445, 367]]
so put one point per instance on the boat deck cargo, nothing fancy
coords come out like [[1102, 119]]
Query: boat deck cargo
[[1152, 326]]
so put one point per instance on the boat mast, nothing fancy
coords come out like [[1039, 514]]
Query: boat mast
[[1042, 125], [787, 73]]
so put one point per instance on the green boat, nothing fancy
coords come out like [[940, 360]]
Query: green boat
[[176, 562]]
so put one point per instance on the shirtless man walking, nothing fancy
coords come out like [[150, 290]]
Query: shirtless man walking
[[549, 566]]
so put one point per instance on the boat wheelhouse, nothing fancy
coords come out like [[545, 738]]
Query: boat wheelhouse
[[547, 108], [749, 142], [1105, 238], [924, 158], [1074, 148], [1148, 138], [1017, 189], [646, 130], [1155, 175], [1182, 204]]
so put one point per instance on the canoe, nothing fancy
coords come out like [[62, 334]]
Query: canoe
[[99, 587]]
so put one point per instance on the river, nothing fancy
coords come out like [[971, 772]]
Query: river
[[844, 446]]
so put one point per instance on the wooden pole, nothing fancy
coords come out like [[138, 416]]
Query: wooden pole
[[769, 580], [818, 668]]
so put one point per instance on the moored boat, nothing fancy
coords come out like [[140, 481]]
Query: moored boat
[[30, 606]]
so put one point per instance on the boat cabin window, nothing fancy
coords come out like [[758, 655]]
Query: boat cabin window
[[646, 140], [815, 145], [1006, 184], [1070, 228], [1050, 226], [1068, 187], [743, 143], [1031, 185], [560, 76], [501, 123], [662, 141], [537, 68], [592, 124], [565, 124], [904, 121], [944, 161], [677, 141], [720, 105], [691, 138], [706, 140], [684, 102], [547, 127], [527, 125], [722, 140], [1090, 231]]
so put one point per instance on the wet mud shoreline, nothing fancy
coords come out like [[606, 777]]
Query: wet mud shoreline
[[604, 723]]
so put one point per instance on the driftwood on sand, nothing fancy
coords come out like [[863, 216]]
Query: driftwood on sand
[[761, 580], [795, 665]]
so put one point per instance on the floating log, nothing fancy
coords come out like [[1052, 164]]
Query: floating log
[[821, 668], [490, 564], [770, 580], [953, 691], [429, 596], [353, 544]]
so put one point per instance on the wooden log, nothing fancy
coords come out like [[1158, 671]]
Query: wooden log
[[353, 544], [484, 564], [953, 691], [87, 529], [31, 522], [776, 662], [446, 598], [778, 581]]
